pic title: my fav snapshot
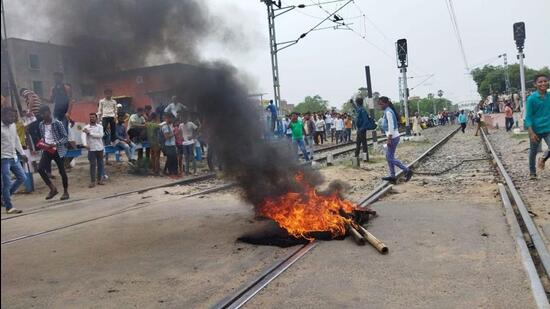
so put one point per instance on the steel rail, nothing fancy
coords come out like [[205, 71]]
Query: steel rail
[[539, 244], [528, 264], [118, 212], [382, 186], [139, 191], [253, 287], [250, 289]]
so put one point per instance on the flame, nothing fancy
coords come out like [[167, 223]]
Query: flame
[[302, 213]]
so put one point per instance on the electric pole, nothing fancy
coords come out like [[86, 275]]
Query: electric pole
[[519, 37], [401, 47], [402, 108], [273, 51], [12, 88], [275, 9], [506, 74]]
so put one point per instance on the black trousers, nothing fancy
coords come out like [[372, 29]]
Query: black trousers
[[45, 164], [171, 159], [509, 123], [112, 127], [463, 127], [361, 141]]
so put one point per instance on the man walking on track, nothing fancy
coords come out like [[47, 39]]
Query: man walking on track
[[92, 135], [11, 151], [537, 120], [463, 120], [392, 134], [53, 143], [297, 129]]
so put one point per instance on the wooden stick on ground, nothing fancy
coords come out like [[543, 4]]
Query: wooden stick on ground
[[357, 237], [380, 246]]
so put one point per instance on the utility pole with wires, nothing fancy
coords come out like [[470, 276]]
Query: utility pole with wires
[[506, 73], [275, 9], [12, 87]]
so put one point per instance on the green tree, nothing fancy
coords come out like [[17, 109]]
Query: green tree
[[312, 104], [492, 78]]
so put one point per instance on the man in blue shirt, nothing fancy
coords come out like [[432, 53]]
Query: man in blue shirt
[[537, 120], [273, 109], [361, 121], [462, 119]]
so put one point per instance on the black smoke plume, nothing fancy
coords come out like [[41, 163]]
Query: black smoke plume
[[131, 32]]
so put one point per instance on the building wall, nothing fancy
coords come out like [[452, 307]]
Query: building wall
[[34, 63]]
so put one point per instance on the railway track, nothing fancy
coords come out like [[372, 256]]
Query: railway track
[[533, 252], [49, 206], [254, 286]]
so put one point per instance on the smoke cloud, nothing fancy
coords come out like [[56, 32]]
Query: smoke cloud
[[133, 33]]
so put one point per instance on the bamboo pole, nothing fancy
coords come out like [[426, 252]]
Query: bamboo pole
[[377, 244], [357, 237]]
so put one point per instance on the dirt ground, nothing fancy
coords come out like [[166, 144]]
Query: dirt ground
[[120, 179], [163, 249]]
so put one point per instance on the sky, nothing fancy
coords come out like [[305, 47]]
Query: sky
[[331, 62]]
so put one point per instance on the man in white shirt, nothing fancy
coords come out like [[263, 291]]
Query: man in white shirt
[[187, 131], [339, 127], [92, 139], [107, 112], [175, 108], [329, 127], [11, 149]]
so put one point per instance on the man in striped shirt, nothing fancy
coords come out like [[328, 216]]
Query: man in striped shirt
[[32, 116], [32, 99]]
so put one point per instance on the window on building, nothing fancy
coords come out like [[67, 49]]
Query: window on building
[[87, 90], [38, 87], [34, 62]]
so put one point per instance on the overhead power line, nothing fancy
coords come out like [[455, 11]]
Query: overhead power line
[[456, 30]]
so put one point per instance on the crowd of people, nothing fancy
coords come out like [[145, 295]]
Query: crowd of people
[[174, 131], [109, 130]]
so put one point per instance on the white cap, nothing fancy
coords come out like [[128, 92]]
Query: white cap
[[119, 105]]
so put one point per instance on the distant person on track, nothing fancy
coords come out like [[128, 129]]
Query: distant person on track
[[509, 116], [363, 122], [188, 132], [348, 124], [297, 129], [273, 110], [309, 131], [463, 120], [339, 128], [480, 123], [537, 120], [11, 152], [392, 134], [152, 128], [53, 143], [92, 135], [417, 130], [169, 148], [319, 130]]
